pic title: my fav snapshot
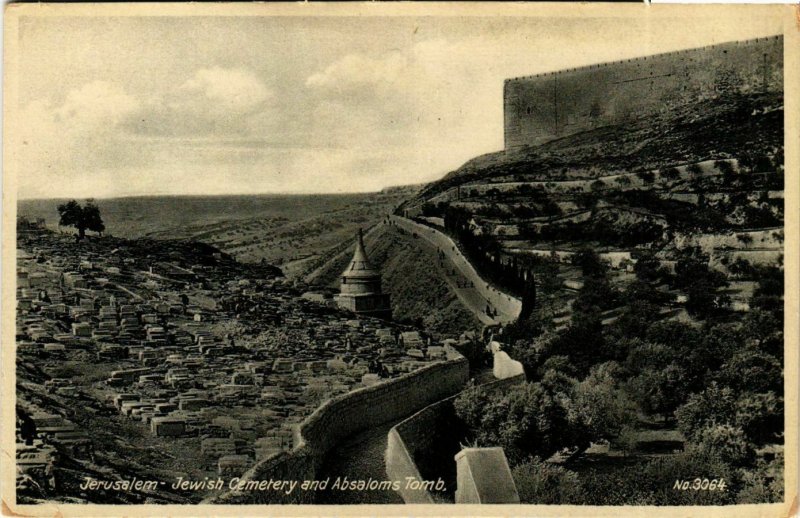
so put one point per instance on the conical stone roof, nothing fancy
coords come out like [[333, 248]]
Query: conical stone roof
[[360, 267]]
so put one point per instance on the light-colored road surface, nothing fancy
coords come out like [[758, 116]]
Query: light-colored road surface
[[359, 457], [479, 294]]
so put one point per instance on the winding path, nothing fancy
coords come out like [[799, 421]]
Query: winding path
[[362, 456], [481, 293], [359, 457]]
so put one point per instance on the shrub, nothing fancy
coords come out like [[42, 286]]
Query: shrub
[[541, 483], [715, 405], [726, 442], [695, 170], [671, 174], [646, 176], [527, 420]]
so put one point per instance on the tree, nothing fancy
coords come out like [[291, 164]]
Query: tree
[[82, 218], [695, 170], [526, 420], [761, 485], [752, 370], [726, 442], [596, 292], [726, 169], [582, 341], [659, 391], [598, 409], [646, 176], [715, 405], [760, 416], [647, 267], [671, 174], [590, 263], [701, 283], [764, 329], [745, 239]]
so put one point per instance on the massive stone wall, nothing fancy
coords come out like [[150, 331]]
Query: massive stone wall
[[548, 106], [343, 416]]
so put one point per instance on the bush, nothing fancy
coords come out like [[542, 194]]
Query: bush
[[646, 176], [670, 174], [760, 416], [754, 371], [653, 483], [527, 420], [541, 483], [715, 405], [726, 442], [762, 484], [695, 170]]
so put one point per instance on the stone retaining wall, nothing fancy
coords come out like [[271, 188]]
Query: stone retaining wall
[[421, 437], [345, 415], [508, 307]]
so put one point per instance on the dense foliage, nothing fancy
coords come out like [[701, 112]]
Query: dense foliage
[[718, 380]]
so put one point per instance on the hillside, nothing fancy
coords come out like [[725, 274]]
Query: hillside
[[286, 230], [706, 130], [422, 289], [654, 251], [712, 168]]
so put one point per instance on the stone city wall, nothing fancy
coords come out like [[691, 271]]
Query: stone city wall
[[345, 415], [552, 105]]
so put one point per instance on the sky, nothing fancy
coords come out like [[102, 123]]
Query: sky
[[121, 106]]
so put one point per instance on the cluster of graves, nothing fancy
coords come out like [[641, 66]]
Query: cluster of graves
[[186, 343]]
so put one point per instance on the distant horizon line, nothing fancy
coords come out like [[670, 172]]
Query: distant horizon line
[[222, 195]]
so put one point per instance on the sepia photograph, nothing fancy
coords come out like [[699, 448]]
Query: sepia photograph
[[443, 258]]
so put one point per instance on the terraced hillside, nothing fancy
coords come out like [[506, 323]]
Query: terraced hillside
[[655, 250], [707, 175]]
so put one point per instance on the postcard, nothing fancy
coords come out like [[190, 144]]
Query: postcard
[[368, 259]]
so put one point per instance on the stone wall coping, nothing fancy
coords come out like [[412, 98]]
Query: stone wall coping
[[737, 43]]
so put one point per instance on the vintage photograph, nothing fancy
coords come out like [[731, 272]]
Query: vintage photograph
[[360, 254]]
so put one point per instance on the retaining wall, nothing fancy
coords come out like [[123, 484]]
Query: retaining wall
[[345, 415], [508, 307], [430, 438]]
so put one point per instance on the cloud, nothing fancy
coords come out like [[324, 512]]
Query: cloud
[[432, 106], [60, 146], [96, 103], [215, 101], [99, 133], [230, 90], [357, 71]]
